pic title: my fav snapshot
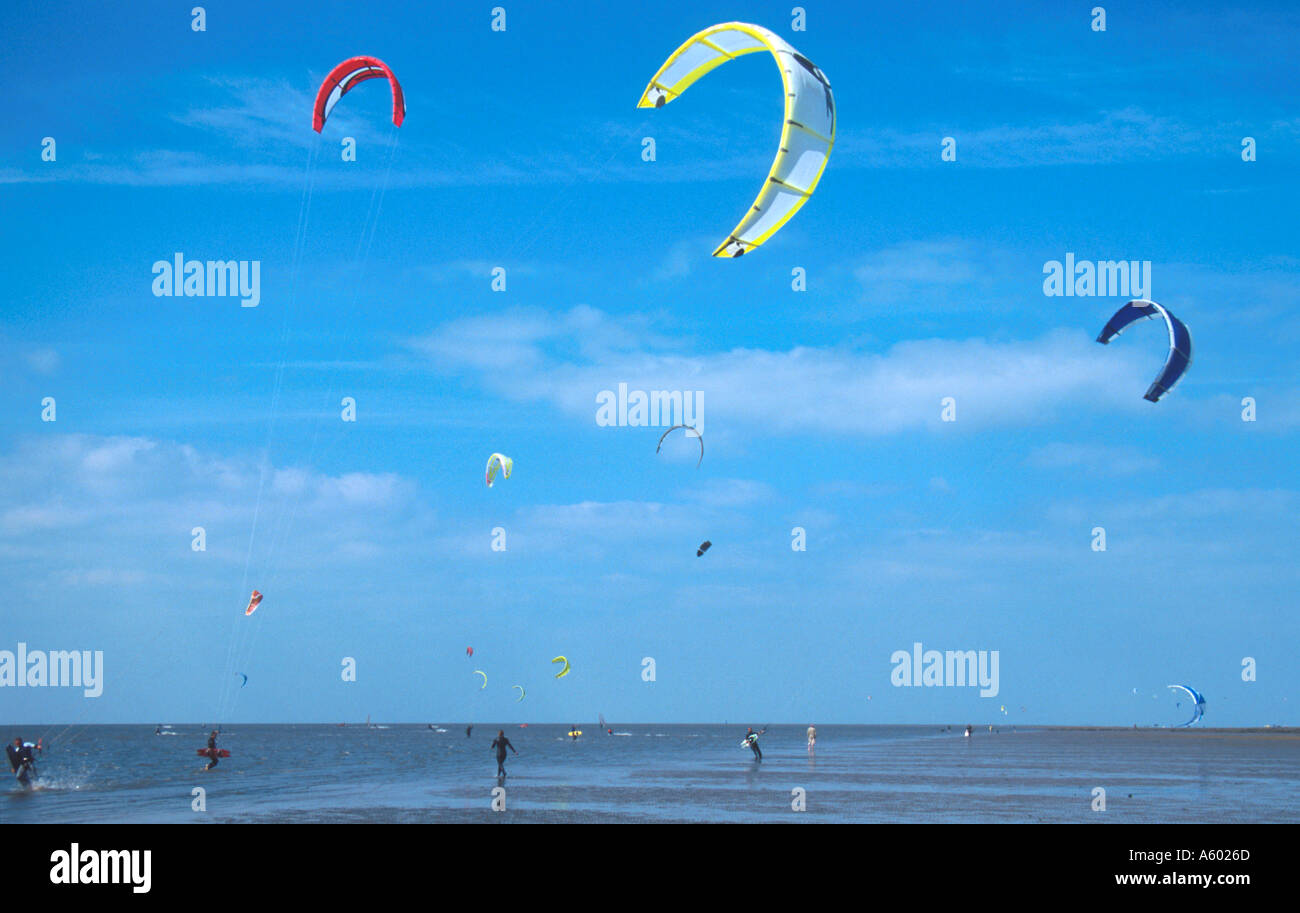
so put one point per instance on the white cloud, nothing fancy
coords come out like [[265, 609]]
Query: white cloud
[[43, 360], [566, 359], [1095, 459], [1123, 135], [130, 502]]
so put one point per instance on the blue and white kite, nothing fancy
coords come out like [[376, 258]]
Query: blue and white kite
[[1180, 342]]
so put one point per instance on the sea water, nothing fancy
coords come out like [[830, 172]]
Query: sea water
[[660, 773]]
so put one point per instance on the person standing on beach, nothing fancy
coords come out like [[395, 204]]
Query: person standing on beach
[[812, 738], [501, 743]]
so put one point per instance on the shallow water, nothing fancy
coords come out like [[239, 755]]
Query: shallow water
[[665, 773]]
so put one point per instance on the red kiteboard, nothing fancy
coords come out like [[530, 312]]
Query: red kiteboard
[[207, 752]]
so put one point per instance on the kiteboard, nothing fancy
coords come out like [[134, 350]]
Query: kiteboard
[[575, 733], [207, 752]]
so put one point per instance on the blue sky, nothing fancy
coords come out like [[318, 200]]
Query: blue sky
[[521, 149]]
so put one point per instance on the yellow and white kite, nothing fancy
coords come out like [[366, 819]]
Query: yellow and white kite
[[498, 463], [807, 136], [563, 672]]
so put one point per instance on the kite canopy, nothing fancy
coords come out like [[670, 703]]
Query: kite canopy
[[697, 434], [521, 693], [498, 463], [1180, 342], [484, 674], [253, 602], [345, 77], [1197, 700], [807, 134], [704, 547], [563, 672]]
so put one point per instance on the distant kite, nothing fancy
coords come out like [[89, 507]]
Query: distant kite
[[1199, 709], [691, 428], [347, 76], [704, 547], [501, 463], [254, 601], [1180, 342], [563, 672]]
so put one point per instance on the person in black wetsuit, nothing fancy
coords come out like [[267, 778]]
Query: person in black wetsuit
[[212, 750], [21, 760], [752, 738], [468, 730], [501, 743]]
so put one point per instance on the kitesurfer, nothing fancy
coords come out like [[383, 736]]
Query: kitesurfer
[[501, 743], [212, 750], [21, 759], [468, 730], [812, 738], [752, 738]]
